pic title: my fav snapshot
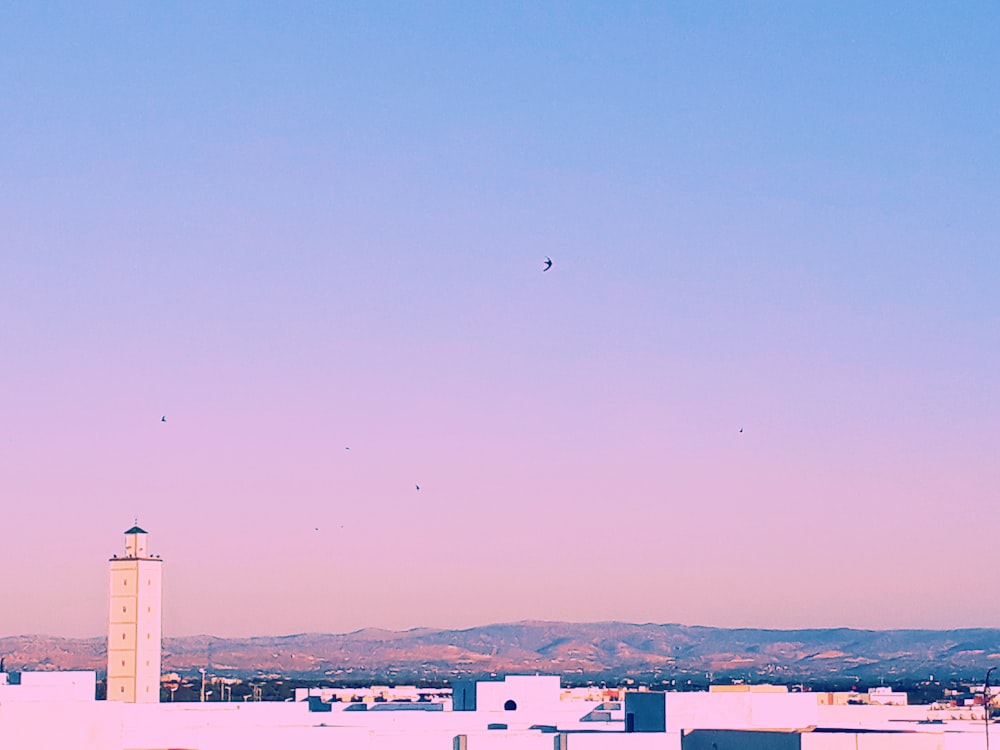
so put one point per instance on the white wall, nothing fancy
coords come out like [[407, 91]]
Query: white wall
[[740, 711], [52, 686], [501, 740], [532, 693], [873, 716], [75, 724], [634, 741], [894, 741]]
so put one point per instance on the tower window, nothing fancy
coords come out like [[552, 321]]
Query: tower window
[[122, 688], [510, 706]]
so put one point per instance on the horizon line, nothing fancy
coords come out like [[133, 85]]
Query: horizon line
[[526, 621]]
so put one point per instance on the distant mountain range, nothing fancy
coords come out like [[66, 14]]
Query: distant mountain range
[[578, 651]]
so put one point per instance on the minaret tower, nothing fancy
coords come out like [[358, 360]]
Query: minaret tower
[[135, 606]]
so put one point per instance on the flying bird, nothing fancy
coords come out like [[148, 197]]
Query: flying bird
[[418, 487], [741, 429], [548, 264], [163, 418]]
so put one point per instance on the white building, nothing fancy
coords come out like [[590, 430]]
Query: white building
[[134, 622], [48, 686], [885, 696], [534, 694], [58, 710]]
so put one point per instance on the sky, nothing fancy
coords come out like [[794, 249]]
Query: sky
[[758, 387]]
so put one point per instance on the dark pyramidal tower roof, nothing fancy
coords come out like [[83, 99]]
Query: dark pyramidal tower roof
[[136, 530]]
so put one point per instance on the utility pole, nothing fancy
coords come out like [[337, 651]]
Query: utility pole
[[202, 670], [986, 705]]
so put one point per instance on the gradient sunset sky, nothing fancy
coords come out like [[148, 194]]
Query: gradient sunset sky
[[297, 228]]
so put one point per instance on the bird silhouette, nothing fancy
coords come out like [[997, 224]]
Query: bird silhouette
[[741, 429], [548, 264], [163, 418], [418, 487]]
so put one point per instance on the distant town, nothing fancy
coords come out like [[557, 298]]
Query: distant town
[[588, 684], [924, 663], [955, 694]]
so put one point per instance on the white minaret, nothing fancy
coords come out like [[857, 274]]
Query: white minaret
[[135, 606]]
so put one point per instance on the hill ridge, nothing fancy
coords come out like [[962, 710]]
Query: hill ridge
[[579, 649]]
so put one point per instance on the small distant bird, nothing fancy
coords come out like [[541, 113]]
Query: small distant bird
[[548, 264], [741, 429], [347, 448], [163, 418], [418, 487], [316, 529]]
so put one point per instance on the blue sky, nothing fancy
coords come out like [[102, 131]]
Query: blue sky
[[305, 227]]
